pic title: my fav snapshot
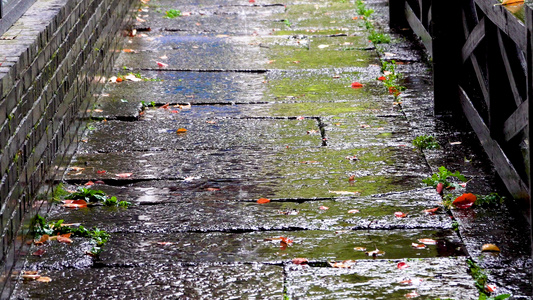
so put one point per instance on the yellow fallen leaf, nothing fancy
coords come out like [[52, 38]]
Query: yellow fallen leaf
[[490, 248], [505, 2], [44, 279]]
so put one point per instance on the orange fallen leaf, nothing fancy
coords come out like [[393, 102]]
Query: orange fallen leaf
[[181, 130], [343, 265], [431, 211], [210, 122], [31, 276], [323, 208], [382, 78], [161, 64], [212, 189], [74, 203], [89, 183], [360, 249], [44, 238], [506, 2], [427, 241], [62, 239], [44, 279], [402, 265], [300, 261], [490, 288], [352, 178], [101, 172], [353, 211], [418, 246], [263, 200], [464, 201], [412, 295], [124, 175], [286, 240], [357, 85], [165, 106], [440, 187], [119, 79], [400, 214]]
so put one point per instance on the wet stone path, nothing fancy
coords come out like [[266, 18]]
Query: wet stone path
[[264, 91]]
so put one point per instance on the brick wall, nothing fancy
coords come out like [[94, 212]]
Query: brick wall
[[53, 61]]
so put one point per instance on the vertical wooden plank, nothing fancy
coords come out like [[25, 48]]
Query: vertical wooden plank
[[397, 19], [498, 82], [445, 28], [528, 8]]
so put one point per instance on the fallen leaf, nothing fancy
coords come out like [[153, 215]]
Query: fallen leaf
[[455, 143], [357, 85], [39, 252], [165, 243], [506, 2], [415, 281], [62, 239], [431, 211], [418, 246], [119, 79], [99, 182], [323, 208], [490, 288], [181, 130], [400, 214], [343, 265], [263, 200], [490, 248], [402, 265], [76, 169], [123, 175], [128, 50], [300, 261], [44, 279], [352, 178], [375, 253], [132, 77], [101, 172], [312, 131], [161, 64], [344, 192], [165, 106], [31, 276], [362, 249], [464, 201], [351, 158], [412, 295], [427, 241], [440, 187], [210, 122], [75, 203], [286, 240], [191, 178], [300, 118], [186, 14], [353, 211], [382, 78], [44, 238], [251, 1], [212, 189]]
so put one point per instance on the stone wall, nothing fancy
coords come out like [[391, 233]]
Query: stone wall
[[53, 61]]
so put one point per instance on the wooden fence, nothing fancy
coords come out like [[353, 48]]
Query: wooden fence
[[482, 56]]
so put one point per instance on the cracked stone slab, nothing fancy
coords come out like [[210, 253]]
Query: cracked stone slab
[[166, 281], [59, 256], [193, 52], [167, 213], [319, 246], [381, 279], [208, 132]]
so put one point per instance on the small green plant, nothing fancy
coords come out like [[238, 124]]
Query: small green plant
[[172, 13], [492, 199], [378, 37], [287, 23], [96, 196], [455, 226], [40, 227], [442, 177], [362, 9], [425, 142]]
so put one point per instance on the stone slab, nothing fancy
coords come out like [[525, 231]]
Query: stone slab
[[200, 281], [441, 278]]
